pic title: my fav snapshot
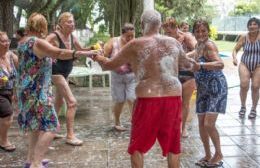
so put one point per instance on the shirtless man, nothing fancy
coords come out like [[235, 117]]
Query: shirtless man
[[155, 60]]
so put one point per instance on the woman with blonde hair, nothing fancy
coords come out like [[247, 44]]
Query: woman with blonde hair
[[61, 69], [8, 62], [37, 115]]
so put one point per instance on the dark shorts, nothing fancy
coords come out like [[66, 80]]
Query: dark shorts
[[156, 118], [6, 108]]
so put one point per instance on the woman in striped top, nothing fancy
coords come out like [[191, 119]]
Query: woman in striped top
[[249, 67]]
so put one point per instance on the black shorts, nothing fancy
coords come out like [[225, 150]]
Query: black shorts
[[6, 108]]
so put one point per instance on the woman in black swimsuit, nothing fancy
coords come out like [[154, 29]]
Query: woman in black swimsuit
[[186, 77], [61, 69]]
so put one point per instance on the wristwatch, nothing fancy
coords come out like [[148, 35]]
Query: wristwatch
[[201, 65]]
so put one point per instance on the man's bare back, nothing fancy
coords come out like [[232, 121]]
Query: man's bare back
[[155, 61]]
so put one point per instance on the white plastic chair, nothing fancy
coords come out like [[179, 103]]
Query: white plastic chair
[[92, 68]]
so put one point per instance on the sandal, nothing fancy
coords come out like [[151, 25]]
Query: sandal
[[59, 136], [252, 114], [74, 142], [45, 163], [8, 148], [218, 164], [202, 162], [242, 112]]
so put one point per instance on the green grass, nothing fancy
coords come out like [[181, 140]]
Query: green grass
[[225, 45]]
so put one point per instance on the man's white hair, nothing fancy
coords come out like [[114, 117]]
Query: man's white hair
[[150, 19]]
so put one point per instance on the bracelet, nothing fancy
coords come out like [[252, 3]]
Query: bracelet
[[73, 54], [201, 65], [92, 48]]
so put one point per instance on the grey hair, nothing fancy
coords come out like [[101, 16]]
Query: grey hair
[[150, 19]]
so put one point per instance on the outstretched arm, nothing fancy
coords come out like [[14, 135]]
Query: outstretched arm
[[42, 48], [124, 56]]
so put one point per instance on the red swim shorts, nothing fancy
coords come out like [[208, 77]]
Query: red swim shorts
[[156, 117]]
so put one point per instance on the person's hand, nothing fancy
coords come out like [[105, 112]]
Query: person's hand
[[196, 65], [91, 54], [235, 61]]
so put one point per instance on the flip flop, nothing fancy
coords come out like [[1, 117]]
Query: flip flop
[[59, 136], [119, 128], [202, 162], [45, 163], [8, 148], [218, 164], [74, 142]]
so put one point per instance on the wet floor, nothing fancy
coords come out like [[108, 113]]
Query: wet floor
[[106, 148]]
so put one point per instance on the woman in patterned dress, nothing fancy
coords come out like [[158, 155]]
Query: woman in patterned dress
[[211, 92], [249, 67], [37, 115]]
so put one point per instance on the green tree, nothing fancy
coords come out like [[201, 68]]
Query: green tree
[[181, 9], [245, 8]]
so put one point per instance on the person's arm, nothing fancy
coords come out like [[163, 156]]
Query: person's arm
[[108, 48], [237, 47], [123, 56], [42, 49], [211, 54]]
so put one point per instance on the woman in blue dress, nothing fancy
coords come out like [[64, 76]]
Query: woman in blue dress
[[211, 92]]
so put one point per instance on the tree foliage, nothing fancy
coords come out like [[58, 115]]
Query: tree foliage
[[181, 9], [245, 8]]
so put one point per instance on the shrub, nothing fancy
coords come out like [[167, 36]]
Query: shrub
[[213, 34]]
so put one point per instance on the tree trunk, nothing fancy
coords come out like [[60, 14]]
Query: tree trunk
[[6, 10]]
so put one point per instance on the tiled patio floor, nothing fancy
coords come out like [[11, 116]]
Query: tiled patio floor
[[105, 148]]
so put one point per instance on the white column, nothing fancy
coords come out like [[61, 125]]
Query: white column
[[148, 4]]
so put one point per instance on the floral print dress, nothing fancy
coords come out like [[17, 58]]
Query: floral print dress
[[36, 110]]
